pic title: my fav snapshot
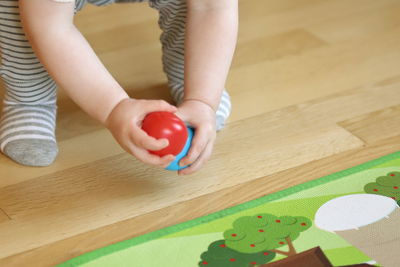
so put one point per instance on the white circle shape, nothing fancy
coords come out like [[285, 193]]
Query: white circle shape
[[353, 211]]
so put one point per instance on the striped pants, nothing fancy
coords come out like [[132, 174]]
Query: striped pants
[[30, 98]]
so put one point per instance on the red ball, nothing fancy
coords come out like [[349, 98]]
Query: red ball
[[162, 124]]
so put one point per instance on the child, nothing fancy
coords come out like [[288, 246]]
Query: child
[[40, 46]]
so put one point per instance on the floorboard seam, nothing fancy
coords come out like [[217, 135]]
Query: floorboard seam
[[5, 213]]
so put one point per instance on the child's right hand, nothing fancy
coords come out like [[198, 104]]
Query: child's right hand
[[125, 122]]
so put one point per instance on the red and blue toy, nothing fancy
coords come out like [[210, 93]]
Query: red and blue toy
[[167, 125]]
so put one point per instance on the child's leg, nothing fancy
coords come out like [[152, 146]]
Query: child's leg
[[172, 17], [27, 122], [28, 119]]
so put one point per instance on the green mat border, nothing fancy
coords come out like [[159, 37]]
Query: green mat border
[[95, 254]]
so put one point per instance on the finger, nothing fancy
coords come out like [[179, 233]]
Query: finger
[[159, 105], [199, 163], [141, 139], [145, 157], [169, 159], [200, 140]]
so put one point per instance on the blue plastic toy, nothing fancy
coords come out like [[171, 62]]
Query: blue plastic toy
[[174, 165]]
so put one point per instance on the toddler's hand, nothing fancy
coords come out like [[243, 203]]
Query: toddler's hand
[[125, 122], [202, 117]]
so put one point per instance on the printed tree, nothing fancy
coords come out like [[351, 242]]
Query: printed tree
[[219, 255], [266, 232], [388, 185]]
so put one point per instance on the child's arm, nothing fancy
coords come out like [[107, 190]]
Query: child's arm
[[211, 34], [68, 57], [72, 63]]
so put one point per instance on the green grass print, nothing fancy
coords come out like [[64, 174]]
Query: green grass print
[[304, 203], [165, 247]]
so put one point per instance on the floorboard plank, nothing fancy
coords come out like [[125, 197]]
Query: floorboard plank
[[271, 85], [375, 126], [73, 246], [325, 111], [312, 13], [276, 47], [103, 192], [99, 144], [3, 216], [361, 24], [315, 86]]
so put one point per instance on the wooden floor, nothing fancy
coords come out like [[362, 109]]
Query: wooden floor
[[315, 86]]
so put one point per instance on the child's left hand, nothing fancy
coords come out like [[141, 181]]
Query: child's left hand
[[201, 117]]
